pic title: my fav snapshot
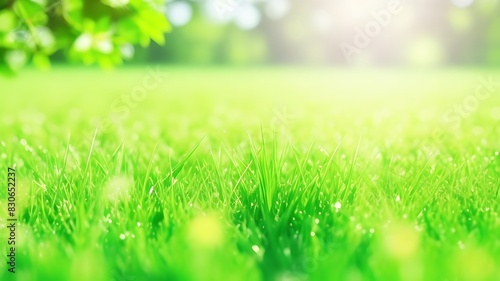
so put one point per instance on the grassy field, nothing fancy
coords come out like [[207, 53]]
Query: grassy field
[[252, 174]]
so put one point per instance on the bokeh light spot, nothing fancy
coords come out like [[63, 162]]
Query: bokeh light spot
[[462, 3], [247, 17], [179, 13]]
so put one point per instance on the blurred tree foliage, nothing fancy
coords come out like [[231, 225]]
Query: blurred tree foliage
[[93, 31], [106, 31], [493, 39]]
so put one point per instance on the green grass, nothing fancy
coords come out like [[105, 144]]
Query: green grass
[[257, 174]]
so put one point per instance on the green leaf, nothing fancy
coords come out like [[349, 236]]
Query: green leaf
[[106, 62], [153, 24], [7, 21], [73, 12], [127, 31], [41, 61], [31, 13], [103, 25], [88, 32], [116, 3]]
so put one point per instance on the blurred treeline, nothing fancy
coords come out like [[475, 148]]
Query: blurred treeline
[[431, 32]]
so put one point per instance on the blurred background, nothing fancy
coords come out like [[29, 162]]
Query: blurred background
[[255, 32], [330, 32]]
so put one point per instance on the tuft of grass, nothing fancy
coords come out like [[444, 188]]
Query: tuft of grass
[[204, 180]]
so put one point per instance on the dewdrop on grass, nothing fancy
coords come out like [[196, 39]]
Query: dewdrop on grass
[[255, 248], [337, 206]]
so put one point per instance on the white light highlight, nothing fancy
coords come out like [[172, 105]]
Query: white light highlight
[[247, 17], [462, 3], [277, 9], [179, 13]]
